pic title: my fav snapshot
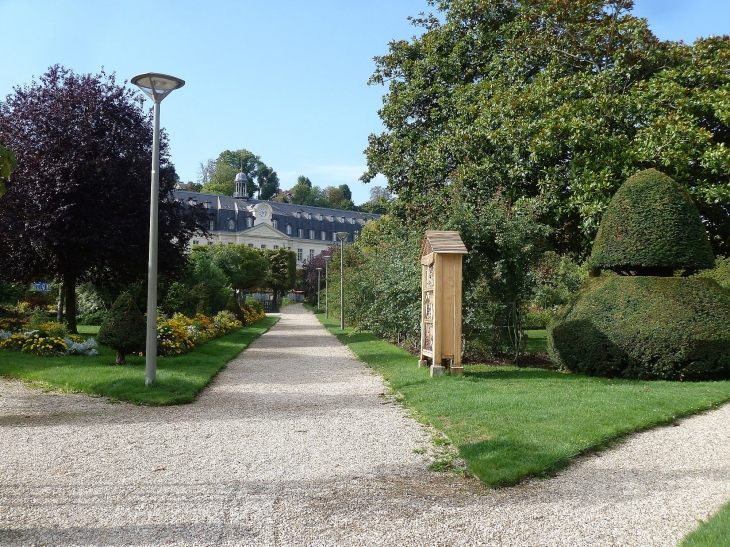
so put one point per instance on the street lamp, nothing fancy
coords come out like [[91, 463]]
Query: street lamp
[[319, 271], [327, 259], [156, 87], [342, 236]]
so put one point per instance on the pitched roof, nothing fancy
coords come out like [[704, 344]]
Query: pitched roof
[[437, 241]]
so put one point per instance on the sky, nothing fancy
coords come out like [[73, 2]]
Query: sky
[[284, 79]]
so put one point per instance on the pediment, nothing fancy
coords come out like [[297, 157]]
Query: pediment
[[263, 230]]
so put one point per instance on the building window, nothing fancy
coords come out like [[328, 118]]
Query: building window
[[276, 247], [210, 243], [299, 255], [323, 236], [334, 236], [207, 204], [288, 229], [275, 223], [311, 254], [311, 234], [249, 222], [263, 246], [309, 216], [211, 225], [230, 243], [319, 216], [250, 245], [300, 233], [299, 214], [231, 224], [196, 242], [342, 220]]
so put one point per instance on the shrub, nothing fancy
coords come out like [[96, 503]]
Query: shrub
[[668, 328], [95, 318], [720, 273], [81, 347], [125, 328], [651, 227], [254, 304], [44, 346], [235, 308]]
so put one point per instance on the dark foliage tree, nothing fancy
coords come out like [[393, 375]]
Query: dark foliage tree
[[282, 271], [556, 103], [125, 328], [77, 206]]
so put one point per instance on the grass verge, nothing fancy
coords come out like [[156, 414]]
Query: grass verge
[[179, 379], [536, 341], [711, 533], [512, 423]]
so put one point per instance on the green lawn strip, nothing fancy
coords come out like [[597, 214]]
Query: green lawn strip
[[511, 423], [88, 330], [711, 533], [179, 379], [536, 341]]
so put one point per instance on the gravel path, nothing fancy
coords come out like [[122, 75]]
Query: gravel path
[[293, 445]]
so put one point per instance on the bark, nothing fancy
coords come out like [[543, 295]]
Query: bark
[[121, 358], [69, 282], [59, 311]]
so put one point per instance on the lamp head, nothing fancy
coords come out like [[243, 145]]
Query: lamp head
[[157, 86]]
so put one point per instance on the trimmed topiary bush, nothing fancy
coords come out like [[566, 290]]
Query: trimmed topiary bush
[[668, 328], [651, 227], [125, 328]]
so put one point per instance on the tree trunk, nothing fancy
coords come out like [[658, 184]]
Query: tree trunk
[[59, 311], [121, 358], [69, 282]]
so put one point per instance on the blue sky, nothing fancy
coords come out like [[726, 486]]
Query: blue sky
[[285, 79]]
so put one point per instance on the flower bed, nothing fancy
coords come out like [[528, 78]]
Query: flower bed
[[44, 344]]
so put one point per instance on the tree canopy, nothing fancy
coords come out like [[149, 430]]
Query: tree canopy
[[217, 176], [77, 205], [554, 103]]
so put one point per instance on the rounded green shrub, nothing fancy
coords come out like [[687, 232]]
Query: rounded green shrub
[[669, 328], [651, 226], [125, 328]]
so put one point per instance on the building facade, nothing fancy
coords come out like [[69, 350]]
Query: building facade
[[269, 225]]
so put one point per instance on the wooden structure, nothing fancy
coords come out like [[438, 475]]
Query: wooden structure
[[441, 257]]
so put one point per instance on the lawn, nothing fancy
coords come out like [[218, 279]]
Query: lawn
[[536, 341], [711, 533], [512, 423], [179, 379]]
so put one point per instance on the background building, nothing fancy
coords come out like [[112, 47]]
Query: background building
[[269, 225]]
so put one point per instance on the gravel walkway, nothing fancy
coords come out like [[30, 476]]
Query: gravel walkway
[[293, 445]]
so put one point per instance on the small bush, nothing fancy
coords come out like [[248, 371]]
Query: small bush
[[44, 346], [668, 328], [96, 318], [125, 328], [81, 347], [254, 304]]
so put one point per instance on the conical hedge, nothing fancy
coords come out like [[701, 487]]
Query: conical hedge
[[651, 224]]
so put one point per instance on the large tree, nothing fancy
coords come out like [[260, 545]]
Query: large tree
[[77, 206], [550, 102], [217, 176]]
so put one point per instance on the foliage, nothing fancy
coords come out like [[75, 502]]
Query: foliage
[[179, 380], [8, 164], [554, 279], [554, 103], [282, 270], [310, 270], [86, 347], [255, 305], [244, 267], [511, 423], [74, 205], [10, 293], [180, 334], [669, 328], [95, 318], [217, 177], [651, 225], [125, 328], [720, 273]]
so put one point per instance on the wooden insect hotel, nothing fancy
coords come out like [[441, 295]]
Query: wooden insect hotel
[[441, 257]]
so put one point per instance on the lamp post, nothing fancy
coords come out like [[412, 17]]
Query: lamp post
[[319, 271], [156, 87], [327, 259], [342, 236]]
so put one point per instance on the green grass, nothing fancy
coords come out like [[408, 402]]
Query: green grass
[[179, 379], [511, 423], [536, 341], [711, 533], [88, 330]]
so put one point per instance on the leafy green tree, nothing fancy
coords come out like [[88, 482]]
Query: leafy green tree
[[282, 270], [301, 179], [125, 328], [243, 266], [217, 177], [554, 103]]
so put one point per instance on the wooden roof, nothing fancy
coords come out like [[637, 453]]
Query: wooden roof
[[442, 242]]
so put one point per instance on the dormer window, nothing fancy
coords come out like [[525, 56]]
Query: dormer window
[[211, 225], [319, 216], [275, 223], [309, 216], [342, 220], [207, 204], [249, 222], [231, 224], [192, 201], [288, 229], [298, 214]]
